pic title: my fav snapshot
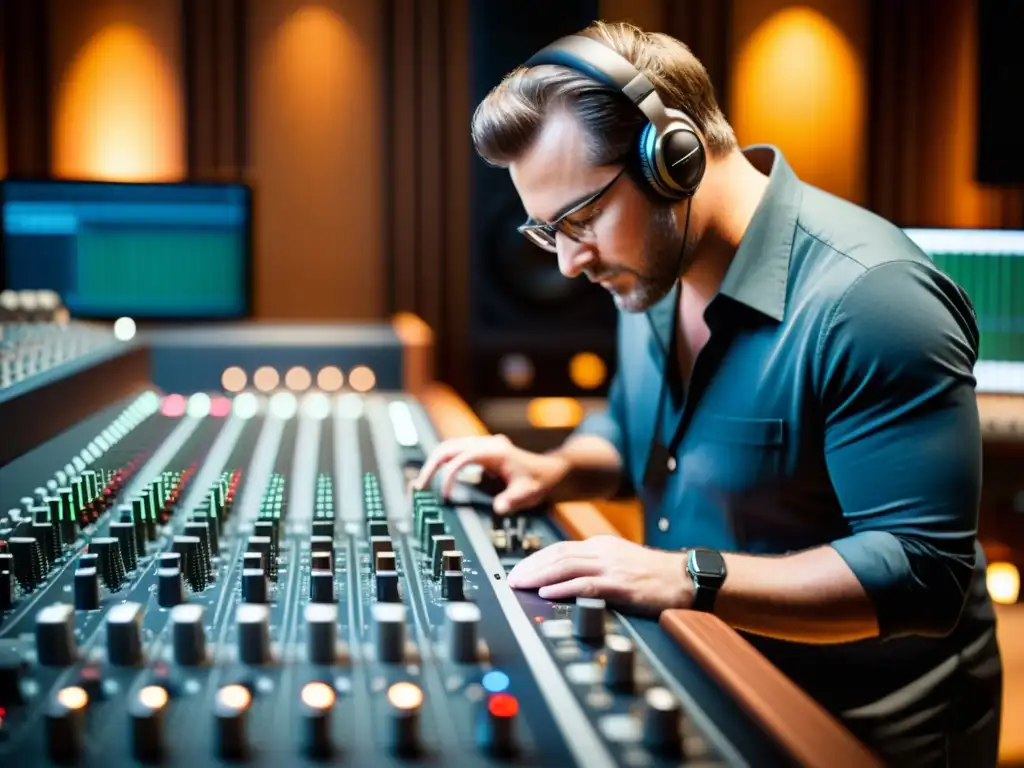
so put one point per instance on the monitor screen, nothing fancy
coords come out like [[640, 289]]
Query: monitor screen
[[989, 265], [147, 251]]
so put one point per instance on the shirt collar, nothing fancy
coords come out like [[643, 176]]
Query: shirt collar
[[759, 273]]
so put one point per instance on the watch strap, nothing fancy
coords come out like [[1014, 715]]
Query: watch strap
[[704, 598]]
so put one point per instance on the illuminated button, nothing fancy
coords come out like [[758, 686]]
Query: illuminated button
[[662, 721], [147, 713], [670, 464], [405, 700], [497, 729], [495, 681], [317, 702], [663, 524], [230, 710], [65, 716]]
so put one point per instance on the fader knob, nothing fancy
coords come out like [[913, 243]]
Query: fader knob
[[65, 720], [231, 710], [317, 703], [497, 733], [188, 635], [389, 623], [124, 635], [253, 633], [661, 721], [146, 710], [588, 619], [321, 632], [405, 700], [170, 587], [87, 589], [620, 654], [321, 587], [463, 620], [254, 585], [55, 635], [387, 587]]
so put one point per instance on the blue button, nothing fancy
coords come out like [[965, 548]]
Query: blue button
[[495, 682]]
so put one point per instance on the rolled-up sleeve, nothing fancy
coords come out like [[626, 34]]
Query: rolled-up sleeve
[[902, 442]]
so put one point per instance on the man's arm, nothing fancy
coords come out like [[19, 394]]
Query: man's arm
[[902, 444], [597, 451]]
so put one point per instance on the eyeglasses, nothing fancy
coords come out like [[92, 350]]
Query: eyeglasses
[[579, 230]]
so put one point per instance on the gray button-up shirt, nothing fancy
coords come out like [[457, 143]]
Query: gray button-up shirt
[[833, 404]]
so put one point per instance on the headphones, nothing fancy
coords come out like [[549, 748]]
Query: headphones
[[671, 154]]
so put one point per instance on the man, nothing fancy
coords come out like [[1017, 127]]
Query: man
[[794, 402]]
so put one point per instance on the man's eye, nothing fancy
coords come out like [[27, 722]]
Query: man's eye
[[578, 222]]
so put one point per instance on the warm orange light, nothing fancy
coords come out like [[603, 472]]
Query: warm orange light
[[153, 697], [266, 378], [73, 697], [119, 112], [361, 379], [298, 379], [799, 82], [548, 412], [587, 370], [233, 379], [330, 379], [318, 695], [235, 697], [405, 696], [1003, 582]]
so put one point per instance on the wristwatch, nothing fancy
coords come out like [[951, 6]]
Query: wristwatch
[[706, 568]]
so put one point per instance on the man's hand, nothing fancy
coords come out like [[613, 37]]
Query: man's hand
[[617, 570], [529, 477]]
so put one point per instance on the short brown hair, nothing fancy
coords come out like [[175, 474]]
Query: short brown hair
[[509, 119]]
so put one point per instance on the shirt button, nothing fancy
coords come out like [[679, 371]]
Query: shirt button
[[663, 524], [671, 463]]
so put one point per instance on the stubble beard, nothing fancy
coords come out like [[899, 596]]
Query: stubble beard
[[665, 258]]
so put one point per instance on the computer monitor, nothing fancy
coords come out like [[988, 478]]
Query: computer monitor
[[989, 265], [174, 251]]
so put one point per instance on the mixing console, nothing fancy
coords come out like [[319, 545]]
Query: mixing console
[[194, 580]]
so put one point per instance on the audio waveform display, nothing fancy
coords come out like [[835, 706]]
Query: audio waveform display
[[989, 266]]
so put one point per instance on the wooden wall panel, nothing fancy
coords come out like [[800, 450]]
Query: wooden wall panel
[[315, 133], [117, 90], [923, 124], [798, 79]]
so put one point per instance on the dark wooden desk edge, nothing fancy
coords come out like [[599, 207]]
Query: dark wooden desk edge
[[796, 721], [806, 731]]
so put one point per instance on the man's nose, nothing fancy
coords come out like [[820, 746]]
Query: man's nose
[[573, 257]]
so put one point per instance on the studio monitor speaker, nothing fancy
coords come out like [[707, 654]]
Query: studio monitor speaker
[[532, 331]]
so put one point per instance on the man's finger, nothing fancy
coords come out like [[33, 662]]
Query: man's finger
[[522, 491], [488, 456], [563, 569], [583, 586], [543, 558], [442, 453]]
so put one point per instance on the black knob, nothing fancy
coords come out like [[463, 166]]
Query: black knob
[[87, 589]]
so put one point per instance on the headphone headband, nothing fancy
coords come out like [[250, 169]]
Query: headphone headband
[[671, 153]]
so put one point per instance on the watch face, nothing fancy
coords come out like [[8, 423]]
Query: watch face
[[707, 563]]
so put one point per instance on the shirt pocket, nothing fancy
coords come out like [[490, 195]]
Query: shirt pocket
[[735, 455]]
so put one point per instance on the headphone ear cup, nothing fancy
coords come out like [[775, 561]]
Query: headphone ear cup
[[682, 153], [673, 166], [647, 162]]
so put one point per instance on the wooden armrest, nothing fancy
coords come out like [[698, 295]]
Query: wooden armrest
[[452, 417], [785, 711]]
